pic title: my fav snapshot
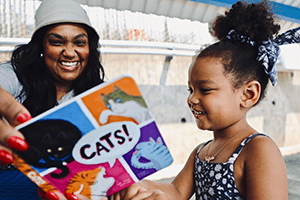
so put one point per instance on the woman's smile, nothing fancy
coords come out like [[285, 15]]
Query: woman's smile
[[66, 52], [69, 66]]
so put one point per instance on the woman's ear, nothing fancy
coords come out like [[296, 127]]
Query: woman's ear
[[251, 94]]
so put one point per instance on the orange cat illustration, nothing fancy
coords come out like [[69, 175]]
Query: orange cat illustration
[[90, 183]]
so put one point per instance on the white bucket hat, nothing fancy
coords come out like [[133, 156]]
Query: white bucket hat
[[60, 11]]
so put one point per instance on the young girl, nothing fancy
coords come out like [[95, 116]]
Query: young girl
[[225, 81]]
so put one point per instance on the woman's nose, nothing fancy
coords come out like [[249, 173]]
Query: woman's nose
[[70, 51]]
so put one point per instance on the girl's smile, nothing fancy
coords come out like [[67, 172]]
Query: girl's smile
[[197, 114], [213, 101]]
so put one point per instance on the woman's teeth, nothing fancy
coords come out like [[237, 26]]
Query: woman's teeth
[[69, 64]]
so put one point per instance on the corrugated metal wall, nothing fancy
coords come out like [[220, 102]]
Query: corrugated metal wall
[[12, 18], [17, 20]]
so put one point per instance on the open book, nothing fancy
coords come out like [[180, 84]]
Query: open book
[[95, 144]]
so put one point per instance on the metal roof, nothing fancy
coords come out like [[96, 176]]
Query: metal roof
[[199, 10]]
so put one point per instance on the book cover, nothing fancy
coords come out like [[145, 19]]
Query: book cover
[[95, 144]]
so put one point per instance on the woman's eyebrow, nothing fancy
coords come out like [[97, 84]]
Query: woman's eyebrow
[[61, 37], [80, 35], [54, 35]]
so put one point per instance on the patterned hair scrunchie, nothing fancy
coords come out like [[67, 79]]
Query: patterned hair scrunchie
[[269, 50]]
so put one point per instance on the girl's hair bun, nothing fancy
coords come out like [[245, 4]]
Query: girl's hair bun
[[255, 20]]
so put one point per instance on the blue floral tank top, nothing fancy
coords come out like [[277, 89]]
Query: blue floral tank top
[[216, 180]]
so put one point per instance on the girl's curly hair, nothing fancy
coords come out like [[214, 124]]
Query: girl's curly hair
[[256, 21]]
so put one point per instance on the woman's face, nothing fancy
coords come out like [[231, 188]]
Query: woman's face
[[66, 51]]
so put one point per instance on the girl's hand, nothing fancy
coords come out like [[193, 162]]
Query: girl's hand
[[138, 191], [11, 139]]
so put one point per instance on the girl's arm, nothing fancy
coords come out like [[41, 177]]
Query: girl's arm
[[265, 172], [182, 187]]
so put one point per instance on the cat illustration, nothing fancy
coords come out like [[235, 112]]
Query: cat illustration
[[50, 145], [90, 183], [120, 103], [154, 151]]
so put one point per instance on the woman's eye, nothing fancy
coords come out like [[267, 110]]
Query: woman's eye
[[190, 90], [55, 42], [80, 42]]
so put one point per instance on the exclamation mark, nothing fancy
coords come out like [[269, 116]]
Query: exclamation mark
[[126, 132]]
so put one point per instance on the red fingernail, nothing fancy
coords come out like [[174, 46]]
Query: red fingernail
[[17, 143], [71, 196], [51, 196], [23, 117], [41, 192], [5, 157]]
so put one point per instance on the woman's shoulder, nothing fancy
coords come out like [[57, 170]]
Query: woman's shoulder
[[6, 66], [9, 80], [7, 70]]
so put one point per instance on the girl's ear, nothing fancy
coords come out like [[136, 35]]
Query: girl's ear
[[251, 94]]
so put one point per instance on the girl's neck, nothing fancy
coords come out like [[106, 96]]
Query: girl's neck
[[231, 131]]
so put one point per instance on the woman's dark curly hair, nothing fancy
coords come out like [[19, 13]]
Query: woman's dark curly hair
[[255, 21], [37, 81]]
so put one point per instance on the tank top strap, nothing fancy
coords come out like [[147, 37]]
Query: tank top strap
[[201, 146], [238, 150]]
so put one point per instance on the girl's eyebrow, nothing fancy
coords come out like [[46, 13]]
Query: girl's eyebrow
[[207, 81]]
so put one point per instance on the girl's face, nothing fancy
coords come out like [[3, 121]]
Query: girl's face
[[213, 101], [66, 51]]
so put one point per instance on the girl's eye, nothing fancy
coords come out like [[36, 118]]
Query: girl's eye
[[190, 90], [205, 90]]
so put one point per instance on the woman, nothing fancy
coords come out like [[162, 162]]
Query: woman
[[60, 61]]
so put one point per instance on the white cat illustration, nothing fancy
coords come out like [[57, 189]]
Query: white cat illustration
[[122, 104]]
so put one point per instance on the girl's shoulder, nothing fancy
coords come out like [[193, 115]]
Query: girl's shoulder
[[263, 168], [259, 147]]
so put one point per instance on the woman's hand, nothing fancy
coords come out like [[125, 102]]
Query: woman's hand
[[11, 139], [56, 195]]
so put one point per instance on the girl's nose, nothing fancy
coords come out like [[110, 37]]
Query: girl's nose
[[192, 99]]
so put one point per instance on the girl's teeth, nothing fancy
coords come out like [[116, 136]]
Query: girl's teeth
[[198, 113], [69, 64]]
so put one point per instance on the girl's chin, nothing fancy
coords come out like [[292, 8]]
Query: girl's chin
[[202, 126]]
